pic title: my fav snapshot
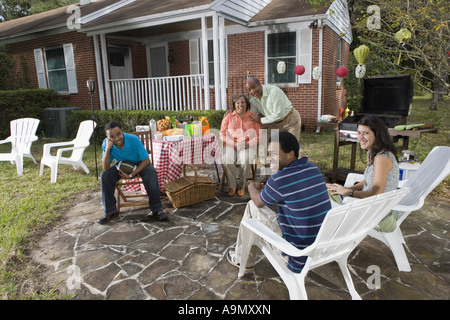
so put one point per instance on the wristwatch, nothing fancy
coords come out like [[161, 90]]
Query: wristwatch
[[131, 176], [351, 192]]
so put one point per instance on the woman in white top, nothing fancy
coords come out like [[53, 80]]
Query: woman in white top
[[382, 173]]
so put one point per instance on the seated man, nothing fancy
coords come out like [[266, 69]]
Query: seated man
[[298, 188], [121, 146]]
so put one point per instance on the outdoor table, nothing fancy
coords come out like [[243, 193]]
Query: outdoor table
[[169, 157], [395, 134]]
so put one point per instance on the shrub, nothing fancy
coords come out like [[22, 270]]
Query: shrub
[[29, 103], [129, 119]]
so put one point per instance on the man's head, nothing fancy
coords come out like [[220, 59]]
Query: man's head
[[113, 131], [254, 87], [283, 149]]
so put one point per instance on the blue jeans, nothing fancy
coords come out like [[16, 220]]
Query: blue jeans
[[109, 178]]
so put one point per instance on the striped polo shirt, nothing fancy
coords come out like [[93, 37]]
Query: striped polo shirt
[[302, 197]]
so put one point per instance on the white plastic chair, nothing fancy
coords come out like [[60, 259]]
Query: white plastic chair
[[23, 134], [434, 169], [80, 143], [343, 228]]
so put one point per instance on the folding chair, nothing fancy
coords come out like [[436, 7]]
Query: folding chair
[[134, 185]]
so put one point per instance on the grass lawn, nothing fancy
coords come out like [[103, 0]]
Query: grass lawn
[[30, 203]]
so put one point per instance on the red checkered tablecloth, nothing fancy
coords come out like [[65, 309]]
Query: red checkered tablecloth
[[169, 157]]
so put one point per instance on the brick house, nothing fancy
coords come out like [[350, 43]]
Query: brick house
[[184, 54]]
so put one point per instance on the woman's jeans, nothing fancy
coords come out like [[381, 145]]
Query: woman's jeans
[[110, 178]]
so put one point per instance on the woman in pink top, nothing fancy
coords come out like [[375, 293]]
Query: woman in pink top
[[240, 135]]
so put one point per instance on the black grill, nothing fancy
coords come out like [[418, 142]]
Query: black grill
[[388, 97]]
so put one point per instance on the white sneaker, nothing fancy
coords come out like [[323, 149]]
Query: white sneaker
[[231, 257]]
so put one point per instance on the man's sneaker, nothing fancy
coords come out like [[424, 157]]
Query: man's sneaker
[[231, 257], [107, 218], [160, 215]]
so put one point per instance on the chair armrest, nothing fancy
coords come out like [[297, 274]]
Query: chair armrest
[[48, 146], [352, 178], [61, 150], [7, 140], [257, 227]]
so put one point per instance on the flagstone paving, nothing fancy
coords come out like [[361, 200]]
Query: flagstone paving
[[185, 257]]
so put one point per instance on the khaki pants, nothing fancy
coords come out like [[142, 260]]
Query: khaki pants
[[244, 158], [267, 217], [292, 124]]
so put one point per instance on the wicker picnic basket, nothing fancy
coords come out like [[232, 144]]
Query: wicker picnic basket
[[189, 190]]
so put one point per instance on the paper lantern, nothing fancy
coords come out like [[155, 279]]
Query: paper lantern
[[360, 71], [361, 54], [299, 70], [342, 71], [316, 73], [281, 67]]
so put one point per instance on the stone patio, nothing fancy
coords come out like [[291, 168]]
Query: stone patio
[[184, 258]]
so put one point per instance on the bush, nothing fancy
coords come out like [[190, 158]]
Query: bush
[[129, 119], [28, 103]]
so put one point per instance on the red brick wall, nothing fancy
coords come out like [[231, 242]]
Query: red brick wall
[[83, 48]]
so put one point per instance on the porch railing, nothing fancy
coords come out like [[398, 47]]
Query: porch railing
[[164, 93]]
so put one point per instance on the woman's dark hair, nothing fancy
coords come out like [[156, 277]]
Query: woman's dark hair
[[237, 97], [383, 141], [112, 124], [288, 142]]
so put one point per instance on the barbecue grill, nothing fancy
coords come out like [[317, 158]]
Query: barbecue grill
[[388, 97]]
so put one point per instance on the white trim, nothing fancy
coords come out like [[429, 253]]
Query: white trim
[[103, 12], [205, 63]]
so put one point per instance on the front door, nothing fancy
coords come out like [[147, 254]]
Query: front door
[[120, 63]]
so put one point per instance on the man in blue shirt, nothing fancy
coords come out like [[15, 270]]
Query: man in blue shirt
[[121, 146], [299, 190]]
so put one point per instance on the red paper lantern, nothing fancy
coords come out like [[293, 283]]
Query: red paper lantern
[[341, 72], [299, 70]]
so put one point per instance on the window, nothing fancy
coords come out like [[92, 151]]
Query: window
[[281, 47], [56, 70], [195, 58], [59, 68]]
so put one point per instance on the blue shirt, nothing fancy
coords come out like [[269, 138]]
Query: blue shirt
[[303, 202], [133, 150]]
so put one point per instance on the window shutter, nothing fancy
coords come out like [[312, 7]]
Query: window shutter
[[40, 70], [305, 55], [70, 68], [194, 56]]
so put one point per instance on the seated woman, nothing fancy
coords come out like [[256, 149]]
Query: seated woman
[[381, 174], [240, 135]]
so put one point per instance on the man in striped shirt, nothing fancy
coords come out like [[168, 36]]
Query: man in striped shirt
[[298, 188]]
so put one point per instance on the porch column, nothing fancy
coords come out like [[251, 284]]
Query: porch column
[[223, 71], [106, 70], [98, 66], [217, 91], [205, 63]]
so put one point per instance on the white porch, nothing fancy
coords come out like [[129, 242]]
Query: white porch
[[186, 92]]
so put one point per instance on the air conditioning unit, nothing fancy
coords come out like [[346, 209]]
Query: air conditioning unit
[[56, 122]]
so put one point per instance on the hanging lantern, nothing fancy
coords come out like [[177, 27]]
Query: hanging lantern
[[299, 70], [342, 72], [316, 73], [360, 71], [402, 36], [281, 67], [361, 54]]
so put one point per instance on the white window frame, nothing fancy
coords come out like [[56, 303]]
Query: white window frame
[[42, 70], [303, 38], [196, 66]]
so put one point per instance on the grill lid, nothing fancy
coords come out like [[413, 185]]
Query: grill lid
[[387, 95]]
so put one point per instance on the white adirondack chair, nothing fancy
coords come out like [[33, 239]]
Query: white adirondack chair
[[23, 134], [342, 230], [434, 169], [79, 145]]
